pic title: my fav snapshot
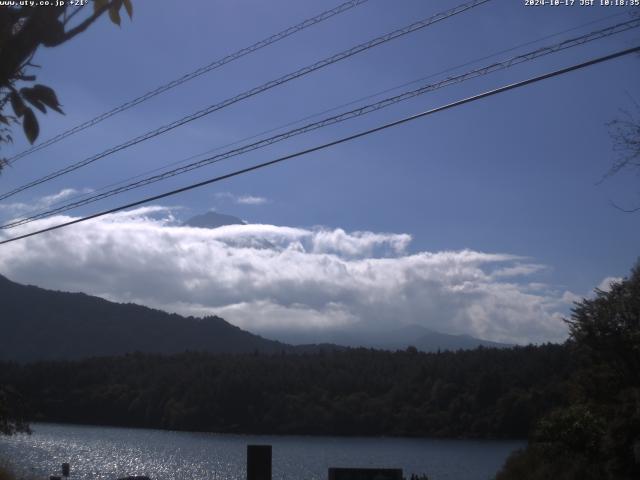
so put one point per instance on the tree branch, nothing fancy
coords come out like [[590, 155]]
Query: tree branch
[[82, 26], [71, 15]]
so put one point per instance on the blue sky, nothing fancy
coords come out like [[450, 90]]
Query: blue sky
[[512, 175]]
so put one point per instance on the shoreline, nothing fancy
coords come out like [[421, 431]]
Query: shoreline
[[281, 435]]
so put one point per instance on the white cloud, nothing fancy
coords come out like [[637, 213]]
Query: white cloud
[[266, 277], [243, 199], [16, 209], [605, 284], [570, 298], [518, 270], [251, 200]]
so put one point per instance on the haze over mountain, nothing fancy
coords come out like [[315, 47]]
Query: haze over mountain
[[362, 335], [399, 338], [39, 324]]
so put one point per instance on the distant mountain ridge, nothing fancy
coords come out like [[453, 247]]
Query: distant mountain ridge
[[430, 341], [399, 338], [39, 324]]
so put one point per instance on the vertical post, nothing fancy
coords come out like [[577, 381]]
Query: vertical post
[[65, 469], [258, 462]]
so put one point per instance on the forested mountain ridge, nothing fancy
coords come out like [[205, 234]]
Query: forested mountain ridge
[[483, 393], [39, 324]]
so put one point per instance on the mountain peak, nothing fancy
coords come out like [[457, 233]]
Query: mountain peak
[[213, 220]]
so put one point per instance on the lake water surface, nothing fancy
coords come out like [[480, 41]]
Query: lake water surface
[[107, 453]]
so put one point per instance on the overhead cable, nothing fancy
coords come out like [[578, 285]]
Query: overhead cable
[[452, 80], [254, 91], [191, 75], [364, 133], [182, 161]]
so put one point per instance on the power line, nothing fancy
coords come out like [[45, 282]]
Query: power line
[[191, 75], [315, 115], [364, 133], [254, 91], [540, 52]]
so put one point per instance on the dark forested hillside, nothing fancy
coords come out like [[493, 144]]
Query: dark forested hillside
[[38, 324], [478, 393]]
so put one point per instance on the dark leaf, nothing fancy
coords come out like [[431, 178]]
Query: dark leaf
[[128, 7], [98, 4], [4, 120], [30, 125], [30, 96], [114, 13], [47, 96], [17, 104], [28, 78], [52, 33]]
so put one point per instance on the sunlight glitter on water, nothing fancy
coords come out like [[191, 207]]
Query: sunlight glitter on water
[[109, 453]]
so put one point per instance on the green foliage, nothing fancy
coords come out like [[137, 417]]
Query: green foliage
[[595, 437], [533, 463], [12, 414], [574, 429], [7, 472], [39, 96], [23, 29], [606, 331]]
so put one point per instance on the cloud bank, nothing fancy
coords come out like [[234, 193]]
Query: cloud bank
[[268, 278]]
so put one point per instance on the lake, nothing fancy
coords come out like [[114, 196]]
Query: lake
[[106, 453]]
